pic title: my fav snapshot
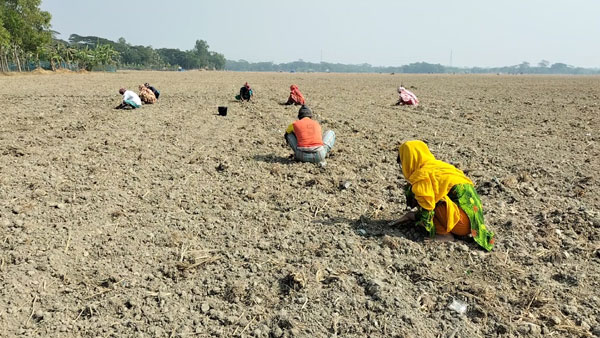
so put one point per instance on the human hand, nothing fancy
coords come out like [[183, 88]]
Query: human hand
[[406, 218]]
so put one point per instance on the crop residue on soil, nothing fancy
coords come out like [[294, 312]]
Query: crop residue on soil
[[171, 220]]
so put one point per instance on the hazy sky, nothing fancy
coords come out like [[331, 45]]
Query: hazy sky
[[378, 32]]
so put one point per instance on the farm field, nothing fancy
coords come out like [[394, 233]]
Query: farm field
[[173, 221]]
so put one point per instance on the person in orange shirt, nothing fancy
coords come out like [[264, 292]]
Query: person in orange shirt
[[305, 138]]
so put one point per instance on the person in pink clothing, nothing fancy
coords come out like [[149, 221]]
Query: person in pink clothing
[[406, 97]]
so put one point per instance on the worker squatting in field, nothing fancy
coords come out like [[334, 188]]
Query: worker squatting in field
[[446, 201], [305, 138]]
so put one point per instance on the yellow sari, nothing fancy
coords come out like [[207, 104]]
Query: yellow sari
[[431, 179]]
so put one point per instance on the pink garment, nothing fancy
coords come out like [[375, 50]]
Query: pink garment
[[407, 97]]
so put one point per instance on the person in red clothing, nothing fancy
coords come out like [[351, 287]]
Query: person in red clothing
[[305, 138], [296, 96]]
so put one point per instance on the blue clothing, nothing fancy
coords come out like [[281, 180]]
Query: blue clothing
[[131, 103]]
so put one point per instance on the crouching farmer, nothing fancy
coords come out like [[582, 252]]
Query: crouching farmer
[[131, 100], [305, 138]]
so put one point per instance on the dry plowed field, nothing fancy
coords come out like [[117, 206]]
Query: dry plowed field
[[173, 221]]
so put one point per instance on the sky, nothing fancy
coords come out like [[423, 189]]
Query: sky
[[462, 33]]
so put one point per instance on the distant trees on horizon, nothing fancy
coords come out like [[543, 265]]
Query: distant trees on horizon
[[24, 29], [146, 57], [543, 67], [27, 42]]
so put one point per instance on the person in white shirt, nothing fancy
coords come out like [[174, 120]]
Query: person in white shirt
[[131, 100]]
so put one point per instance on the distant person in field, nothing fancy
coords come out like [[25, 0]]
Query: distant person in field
[[305, 138], [245, 93], [406, 97], [296, 96], [154, 90], [446, 201], [146, 95], [131, 100]]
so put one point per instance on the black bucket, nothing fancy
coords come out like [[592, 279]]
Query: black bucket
[[222, 111]]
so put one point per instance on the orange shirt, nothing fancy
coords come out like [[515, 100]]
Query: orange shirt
[[308, 132]]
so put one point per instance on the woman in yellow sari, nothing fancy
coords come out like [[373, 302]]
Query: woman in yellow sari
[[446, 199]]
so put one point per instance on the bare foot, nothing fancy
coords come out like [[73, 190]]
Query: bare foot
[[444, 238]]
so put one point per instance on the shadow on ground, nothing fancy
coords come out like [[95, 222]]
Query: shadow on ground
[[272, 158], [367, 227]]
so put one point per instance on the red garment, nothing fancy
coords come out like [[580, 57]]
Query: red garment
[[308, 133], [295, 95]]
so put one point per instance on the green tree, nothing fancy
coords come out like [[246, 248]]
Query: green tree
[[105, 55], [4, 44], [559, 68], [28, 27], [524, 67], [216, 60], [171, 56], [85, 58], [201, 53]]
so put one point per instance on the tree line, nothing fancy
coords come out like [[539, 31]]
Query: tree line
[[146, 57], [543, 67], [27, 42], [24, 29]]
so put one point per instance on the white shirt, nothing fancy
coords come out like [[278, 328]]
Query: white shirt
[[131, 96]]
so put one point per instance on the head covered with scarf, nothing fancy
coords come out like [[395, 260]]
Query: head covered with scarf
[[407, 96], [296, 95], [431, 179]]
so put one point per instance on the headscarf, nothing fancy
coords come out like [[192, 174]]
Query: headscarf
[[145, 90], [296, 95], [431, 179], [407, 96]]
